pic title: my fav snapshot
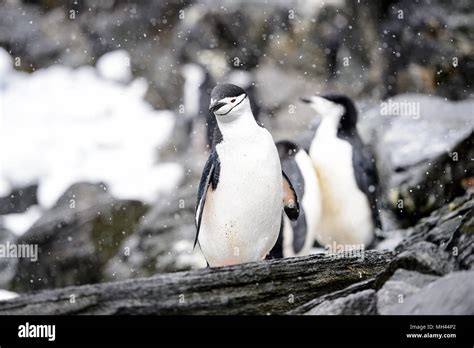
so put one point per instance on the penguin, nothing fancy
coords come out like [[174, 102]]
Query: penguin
[[243, 189], [347, 174], [197, 87], [297, 237]]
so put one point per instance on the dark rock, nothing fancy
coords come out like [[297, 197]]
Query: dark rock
[[438, 244], [367, 284], [423, 155], [163, 241], [450, 295], [360, 303], [410, 46], [401, 285], [40, 38], [425, 257], [450, 229], [76, 238], [19, 200], [240, 33]]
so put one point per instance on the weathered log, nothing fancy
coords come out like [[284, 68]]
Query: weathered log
[[265, 287]]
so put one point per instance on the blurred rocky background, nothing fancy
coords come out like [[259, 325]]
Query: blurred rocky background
[[100, 170]]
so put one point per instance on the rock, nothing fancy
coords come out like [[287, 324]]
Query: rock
[[425, 257], [240, 33], [42, 38], [163, 241], [450, 230], [367, 284], [360, 303], [413, 46], [7, 265], [424, 147], [438, 245], [423, 40], [19, 200], [401, 285], [449, 295], [76, 238]]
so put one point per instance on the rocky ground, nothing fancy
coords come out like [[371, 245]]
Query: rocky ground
[[430, 272]]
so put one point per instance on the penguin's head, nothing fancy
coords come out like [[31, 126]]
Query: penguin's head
[[336, 106], [229, 102]]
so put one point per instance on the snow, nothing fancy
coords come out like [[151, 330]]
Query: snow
[[21, 222], [7, 295], [59, 126], [115, 66]]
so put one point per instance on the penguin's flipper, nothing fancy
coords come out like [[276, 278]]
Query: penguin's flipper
[[290, 199], [210, 177]]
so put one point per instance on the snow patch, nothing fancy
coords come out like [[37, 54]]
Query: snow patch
[[60, 126], [115, 66], [21, 222], [7, 295]]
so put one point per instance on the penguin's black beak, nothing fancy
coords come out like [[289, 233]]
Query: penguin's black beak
[[215, 106], [305, 100]]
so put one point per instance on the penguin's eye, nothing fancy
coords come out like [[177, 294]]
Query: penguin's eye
[[233, 100]]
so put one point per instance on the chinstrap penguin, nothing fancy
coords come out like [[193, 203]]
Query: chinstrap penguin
[[197, 87], [346, 172], [243, 190], [297, 237]]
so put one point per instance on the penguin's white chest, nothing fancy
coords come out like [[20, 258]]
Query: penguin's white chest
[[346, 215], [241, 218]]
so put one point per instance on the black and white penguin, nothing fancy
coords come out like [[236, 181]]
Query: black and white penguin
[[346, 172], [297, 237], [198, 84], [243, 190]]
